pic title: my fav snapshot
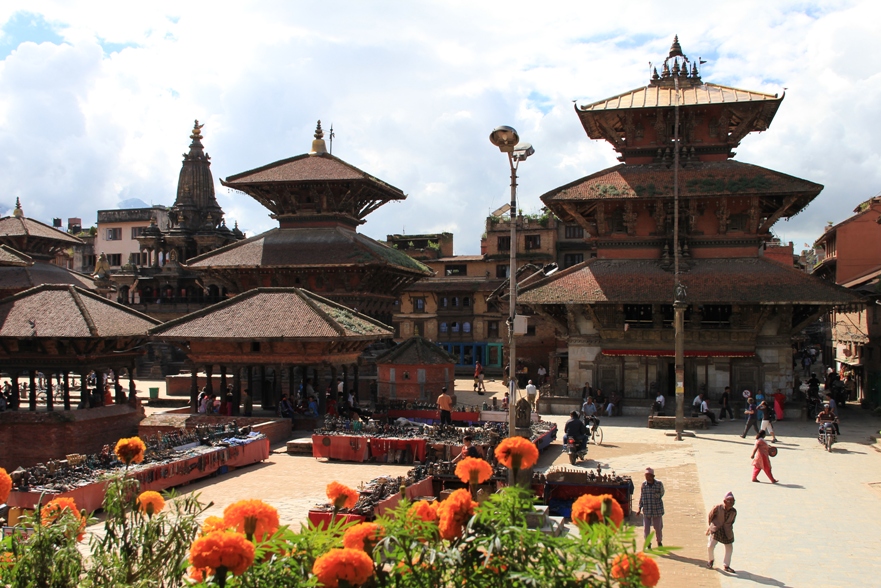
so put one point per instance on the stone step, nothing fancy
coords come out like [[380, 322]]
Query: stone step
[[301, 446]]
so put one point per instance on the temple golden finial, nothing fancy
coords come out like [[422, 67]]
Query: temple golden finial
[[675, 48], [18, 212], [318, 145], [197, 128]]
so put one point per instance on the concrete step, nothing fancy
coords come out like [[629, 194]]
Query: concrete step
[[301, 446]]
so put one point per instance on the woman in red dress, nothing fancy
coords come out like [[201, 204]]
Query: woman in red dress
[[762, 459]]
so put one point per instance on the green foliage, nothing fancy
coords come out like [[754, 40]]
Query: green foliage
[[729, 185], [434, 245]]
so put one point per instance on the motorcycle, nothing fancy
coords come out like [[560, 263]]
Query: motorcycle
[[826, 435], [577, 451]]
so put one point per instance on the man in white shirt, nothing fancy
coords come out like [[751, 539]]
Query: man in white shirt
[[660, 403], [705, 409], [531, 394]]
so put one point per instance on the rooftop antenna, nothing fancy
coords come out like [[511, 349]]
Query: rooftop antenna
[[331, 138]]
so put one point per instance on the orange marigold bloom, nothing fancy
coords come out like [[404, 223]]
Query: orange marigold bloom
[[649, 573], [197, 575], [352, 566], [7, 559], [516, 453], [54, 509], [222, 549], [213, 524], [5, 485], [427, 511], [341, 496], [150, 503], [130, 450], [363, 536], [454, 512], [474, 471], [254, 518], [589, 509]]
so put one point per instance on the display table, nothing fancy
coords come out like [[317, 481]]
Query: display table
[[546, 439], [433, 416], [90, 497], [342, 447], [422, 488], [560, 495], [381, 446]]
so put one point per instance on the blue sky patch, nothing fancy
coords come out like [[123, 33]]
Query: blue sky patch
[[27, 26], [540, 101], [114, 47]]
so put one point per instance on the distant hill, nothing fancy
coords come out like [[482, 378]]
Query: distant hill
[[133, 203]]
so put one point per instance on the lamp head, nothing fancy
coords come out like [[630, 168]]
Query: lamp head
[[505, 138], [522, 151]]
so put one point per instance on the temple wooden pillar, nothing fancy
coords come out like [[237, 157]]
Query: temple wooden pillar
[[292, 382], [250, 399], [85, 397], [276, 388], [49, 400], [32, 397], [194, 390], [355, 378], [346, 388], [263, 390], [66, 390], [132, 390], [117, 386], [223, 389], [209, 384], [16, 391], [236, 390]]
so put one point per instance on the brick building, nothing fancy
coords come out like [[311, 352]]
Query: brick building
[[615, 309]]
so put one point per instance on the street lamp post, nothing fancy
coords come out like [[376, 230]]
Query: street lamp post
[[508, 141]]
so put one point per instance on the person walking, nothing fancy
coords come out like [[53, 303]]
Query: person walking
[[479, 386], [725, 403], [531, 394], [750, 413], [762, 459], [721, 530], [651, 506], [445, 405], [768, 417]]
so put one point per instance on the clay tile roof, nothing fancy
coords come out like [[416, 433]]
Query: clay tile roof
[[11, 226], [416, 351], [14, 257], [52, 311], [456, 284], [309, 168], [659, 97], [708, 281], [716, 178], [274, 313], [308, 247], [23, 277]]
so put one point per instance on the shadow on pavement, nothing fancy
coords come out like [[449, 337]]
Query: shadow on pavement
[[796, 486], [741, 575]]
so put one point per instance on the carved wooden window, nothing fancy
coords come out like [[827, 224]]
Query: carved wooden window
[[638, 315], [533, 242], [738, 222], [492, 329], [570, 259], [667, 315], [443, 327], [504, 243], [113, 234], [466, 327], [616, 221], [114, 259], [454, 327], [419, 305], [502, 271], [716, 316]]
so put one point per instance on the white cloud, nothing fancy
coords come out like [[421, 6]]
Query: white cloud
[[413, 90]]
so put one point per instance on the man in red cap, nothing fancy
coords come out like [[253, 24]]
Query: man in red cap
[[651, 506]]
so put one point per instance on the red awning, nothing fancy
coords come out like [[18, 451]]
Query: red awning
[[670, 353]]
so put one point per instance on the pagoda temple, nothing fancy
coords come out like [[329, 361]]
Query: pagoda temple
[[318, 200], [615, 310]]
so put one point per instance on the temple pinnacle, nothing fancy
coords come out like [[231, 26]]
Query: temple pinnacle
[[318, 145], [18, 212], [319, 134], [675, 48]]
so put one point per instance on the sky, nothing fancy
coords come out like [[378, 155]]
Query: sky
[[97, 99]]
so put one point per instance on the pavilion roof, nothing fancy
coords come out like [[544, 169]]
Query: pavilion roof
[[416, 351], [698, 180], [456, 284], [708, 281], [274, 313], [14, 257], [64, 311], [308, 247], [661, 97], [22, 277], [21, 226]]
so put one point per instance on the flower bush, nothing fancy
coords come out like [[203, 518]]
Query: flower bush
[[221, 552], [516, 453], [591, 509], [150, 503], [341, 496], [130, 450], [349, 567], [5, 485], [623, 567], [254, 518], [363, 536], [474, 471]]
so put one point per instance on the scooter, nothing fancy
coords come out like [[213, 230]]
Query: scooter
[[826, 435], [577, 452]]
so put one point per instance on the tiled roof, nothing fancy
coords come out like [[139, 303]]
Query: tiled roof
[[657, 96], [51, 311], [308, 168], [274, 313], [717, 178], [308, 247], [14, 257], [708, 281], [456, 258], [12, 226], [24, 277], [416, 351], [456, 284]]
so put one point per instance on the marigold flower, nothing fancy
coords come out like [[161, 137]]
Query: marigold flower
[[474, 471], [427, 511], [516, 453], [352, 566], [150, 503], [363, 536], [256, 519], [7, 560], [341, 496], [130, 450], [649, 573], [454, 512], [197, 575], [54, 510], [589, 509], [213, 524], [222, 549], [5, 485]]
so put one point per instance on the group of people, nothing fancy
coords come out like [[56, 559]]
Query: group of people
[[211, 403], [600, 404], [720, 520]]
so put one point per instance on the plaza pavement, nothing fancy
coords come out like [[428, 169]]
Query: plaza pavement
[[818, 527]]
